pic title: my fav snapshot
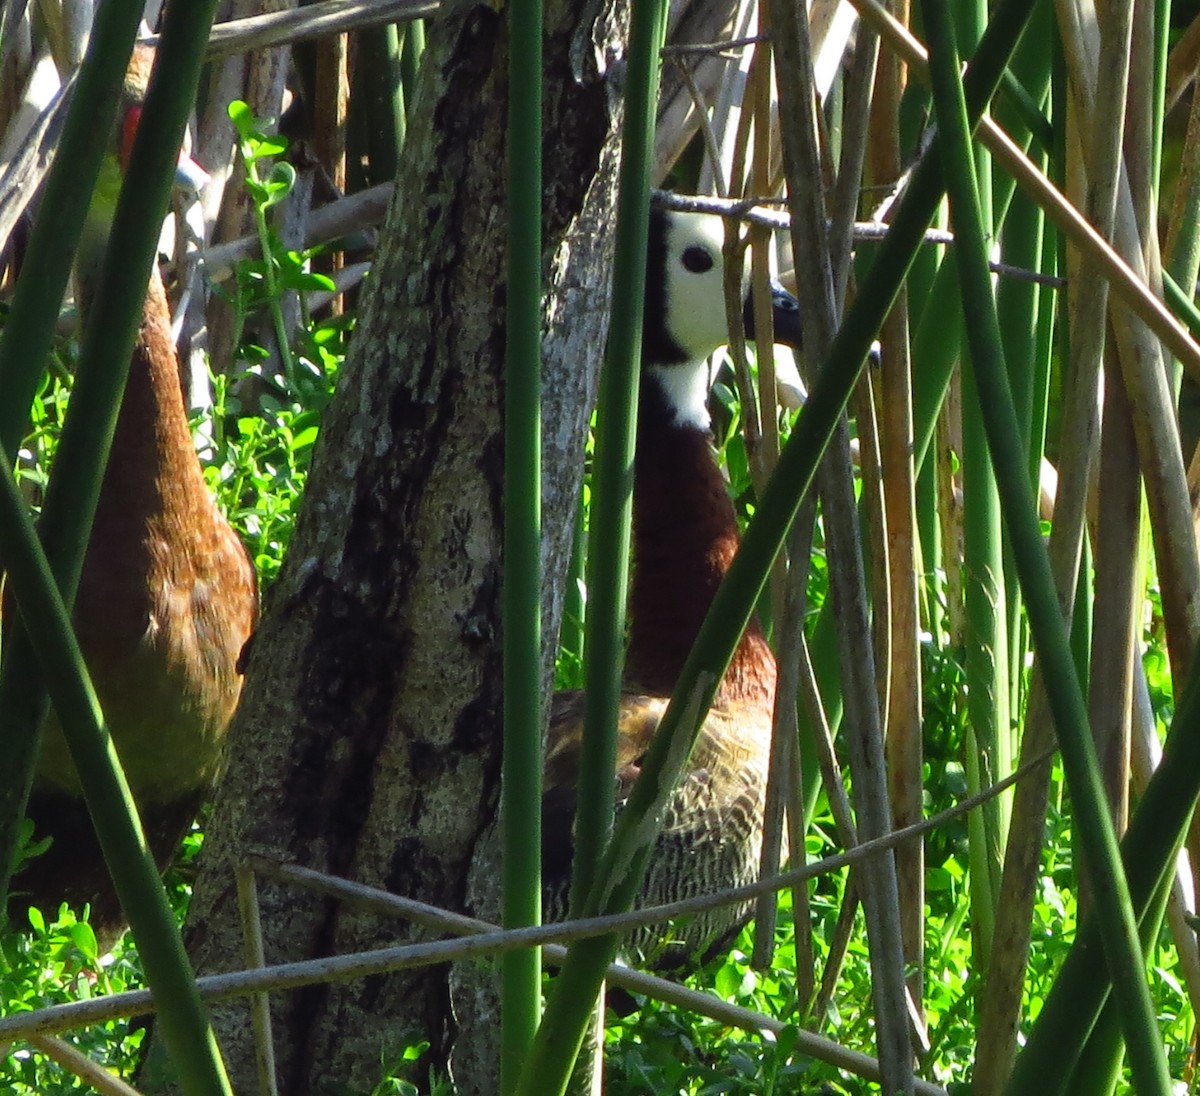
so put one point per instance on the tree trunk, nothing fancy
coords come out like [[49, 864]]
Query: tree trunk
[[368, 740]]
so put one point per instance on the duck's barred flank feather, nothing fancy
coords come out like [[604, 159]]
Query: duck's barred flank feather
[[711, 835], [684, 537]]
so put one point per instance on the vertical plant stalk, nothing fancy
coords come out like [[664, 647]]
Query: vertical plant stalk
[[270, 273], [987, 662], [843, 817], [330, 108], [857, 119], [1119, 588], [1146, 756], [1098, 1069], [1026, 315], [412, 49], [522, 763], [903, 743], [254, 956], [1182, 263], [786, 761], [574, 614], [1169, 503], [989, 745], [1097, 839], [783, 718], [377, 101], [753, 409], [1002, 998], [548, 1066], [612, 485], [847, 584], [1023, 310], [1118, 602], [1118, 520], [1176, 555], [1183, 232]]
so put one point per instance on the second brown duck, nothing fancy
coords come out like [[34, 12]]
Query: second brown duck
[[167, 599]]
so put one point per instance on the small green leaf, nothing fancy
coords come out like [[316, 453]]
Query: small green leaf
[[279, 183], [84, 938], [306, 280], [271, 144], [241, 117]]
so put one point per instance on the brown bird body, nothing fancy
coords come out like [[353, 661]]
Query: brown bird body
[[166, 601], [685, 534]]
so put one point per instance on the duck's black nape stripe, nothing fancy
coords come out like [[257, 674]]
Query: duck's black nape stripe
[[658, 347]]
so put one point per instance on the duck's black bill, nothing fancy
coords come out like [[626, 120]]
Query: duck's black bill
[[785, 312]]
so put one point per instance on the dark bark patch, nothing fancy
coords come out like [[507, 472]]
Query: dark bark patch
[[413, 860], [479, 725]]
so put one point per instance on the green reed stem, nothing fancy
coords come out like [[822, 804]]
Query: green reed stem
[[522, 767]]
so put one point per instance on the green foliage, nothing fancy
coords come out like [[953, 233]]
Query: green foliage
[[258, 466], [55, 961], [665, 1051], [399, 1067], [402, 1073], [263, 424], [263, 284]]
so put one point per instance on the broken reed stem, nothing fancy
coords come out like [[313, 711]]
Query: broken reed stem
[[254, 956]]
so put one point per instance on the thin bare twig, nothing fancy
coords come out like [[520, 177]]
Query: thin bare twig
[[752, 211], [862, 718], [714, 48], [73, 1060], [282, 28], [390, 905], [354, 213], [706, 130]]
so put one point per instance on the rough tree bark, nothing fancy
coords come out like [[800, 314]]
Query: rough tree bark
[[368, 740]]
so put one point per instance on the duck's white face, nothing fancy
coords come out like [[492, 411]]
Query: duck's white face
[[695, 283], [685, 318]]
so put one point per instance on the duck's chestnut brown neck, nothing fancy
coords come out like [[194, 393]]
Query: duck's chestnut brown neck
[[685, 536]]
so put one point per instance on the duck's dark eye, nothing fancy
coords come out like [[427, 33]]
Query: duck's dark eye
[[697, 259]]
